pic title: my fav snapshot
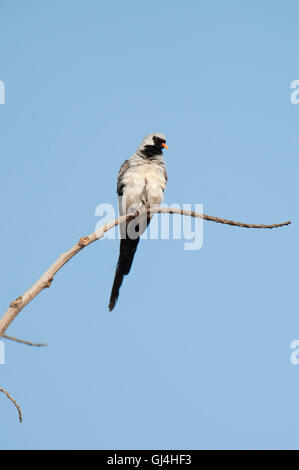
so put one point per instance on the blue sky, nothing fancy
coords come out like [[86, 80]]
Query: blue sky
[[197, 352]]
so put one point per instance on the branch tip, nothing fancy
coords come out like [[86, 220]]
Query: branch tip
[[23, 341], [14, 402]]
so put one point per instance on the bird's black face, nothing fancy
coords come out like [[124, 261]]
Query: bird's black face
[[155, 148], [159, 143]]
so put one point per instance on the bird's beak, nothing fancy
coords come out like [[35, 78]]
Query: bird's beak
[[164, 145]]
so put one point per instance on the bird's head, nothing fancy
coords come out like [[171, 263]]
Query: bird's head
[[153, 144]]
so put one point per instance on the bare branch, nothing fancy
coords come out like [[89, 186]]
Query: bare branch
[[46, 279], [23, 341], [13, 401], [216, 219]]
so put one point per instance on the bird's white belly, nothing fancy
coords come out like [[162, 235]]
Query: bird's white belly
[[144, 185]]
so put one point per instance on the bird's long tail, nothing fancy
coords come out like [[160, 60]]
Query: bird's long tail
[[127, 251]]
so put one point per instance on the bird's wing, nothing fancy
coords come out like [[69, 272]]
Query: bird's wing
[[120, 185], [166, 178]]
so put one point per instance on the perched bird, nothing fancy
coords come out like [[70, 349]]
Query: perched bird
[[141, 183]]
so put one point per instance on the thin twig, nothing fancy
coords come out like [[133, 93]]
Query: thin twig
[[14, 402], [216, 219], [23, 341], [46, 279]]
